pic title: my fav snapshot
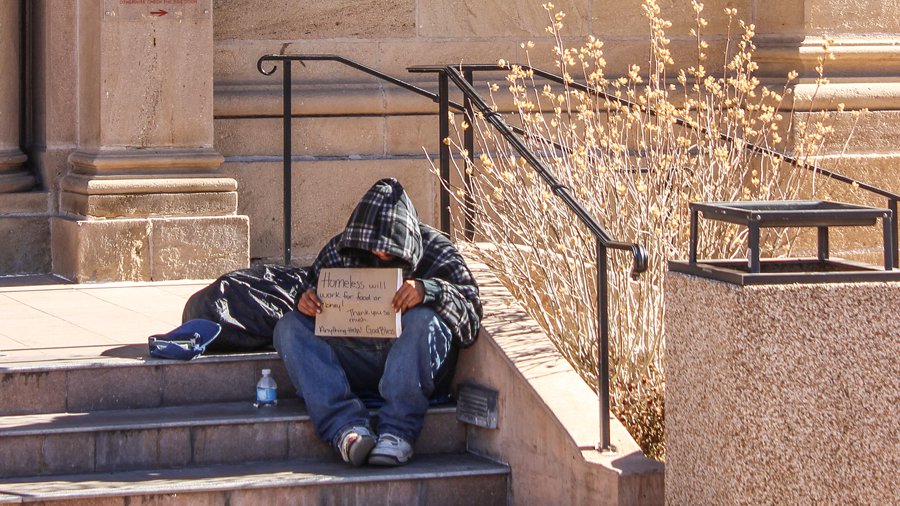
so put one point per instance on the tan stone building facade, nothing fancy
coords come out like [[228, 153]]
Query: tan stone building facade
[[138, 141]]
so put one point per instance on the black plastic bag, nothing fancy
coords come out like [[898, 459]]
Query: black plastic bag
[[247, 303]]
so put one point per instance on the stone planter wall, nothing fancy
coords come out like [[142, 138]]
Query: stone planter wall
[[782, 394]]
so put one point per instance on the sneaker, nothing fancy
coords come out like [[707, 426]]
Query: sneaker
[[355, 444], [390, 450]]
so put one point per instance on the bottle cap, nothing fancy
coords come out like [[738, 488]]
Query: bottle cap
[[267, 371]]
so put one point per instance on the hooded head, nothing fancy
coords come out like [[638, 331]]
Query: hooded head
[[384, 220]]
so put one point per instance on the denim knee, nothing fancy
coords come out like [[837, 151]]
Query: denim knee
[[419, 318], [424, 321], [289, 329], [282, 332]]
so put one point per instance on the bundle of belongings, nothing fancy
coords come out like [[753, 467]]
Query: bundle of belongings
[[235, 313]]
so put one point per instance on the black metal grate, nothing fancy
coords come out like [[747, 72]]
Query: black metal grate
[[803, 213], [477, 405]]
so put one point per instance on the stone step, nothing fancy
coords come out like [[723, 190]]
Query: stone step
[[181, 436], [134, 381], [445, 479]]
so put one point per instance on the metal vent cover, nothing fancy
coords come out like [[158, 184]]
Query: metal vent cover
[[477, 405]]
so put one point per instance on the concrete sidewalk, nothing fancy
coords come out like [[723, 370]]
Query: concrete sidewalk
[[45, 320]]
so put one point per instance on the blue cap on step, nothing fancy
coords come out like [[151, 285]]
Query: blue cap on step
[[186, 341]]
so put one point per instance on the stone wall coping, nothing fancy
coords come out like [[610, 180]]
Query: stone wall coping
[[235, 100], [141, 185], [156, 159], [560, 394]]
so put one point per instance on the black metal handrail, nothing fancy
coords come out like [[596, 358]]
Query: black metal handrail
[[603, 238], [287, 115], [472, 99], [892, 198], [462, 76]]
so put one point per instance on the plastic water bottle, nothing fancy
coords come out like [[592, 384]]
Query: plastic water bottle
[[266, 390]]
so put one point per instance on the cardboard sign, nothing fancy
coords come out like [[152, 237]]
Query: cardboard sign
[[357, 303]]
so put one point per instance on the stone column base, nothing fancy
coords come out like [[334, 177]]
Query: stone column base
[[129, 183], [149, 249], [13, 177], [24, 233], [144, 198], [148, 215]]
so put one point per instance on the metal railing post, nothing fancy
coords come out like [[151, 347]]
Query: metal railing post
[[286, 174], [444, 127], [887, 224], [469, 140], [603, 348], [895, 246]]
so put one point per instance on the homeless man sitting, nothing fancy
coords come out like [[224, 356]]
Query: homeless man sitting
[[440, 312]]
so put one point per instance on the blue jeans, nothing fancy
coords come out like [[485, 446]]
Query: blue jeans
[[332, 373]]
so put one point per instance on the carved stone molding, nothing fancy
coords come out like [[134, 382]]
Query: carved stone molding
[[115, 183], [853, 57], [13, 176]]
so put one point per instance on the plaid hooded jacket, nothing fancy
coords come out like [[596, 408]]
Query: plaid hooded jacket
[[385, 220]]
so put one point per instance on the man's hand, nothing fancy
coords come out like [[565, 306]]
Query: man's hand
[[309, 303], [410, 294]]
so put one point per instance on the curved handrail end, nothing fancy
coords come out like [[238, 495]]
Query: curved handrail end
[[641, 261], [259, 62]]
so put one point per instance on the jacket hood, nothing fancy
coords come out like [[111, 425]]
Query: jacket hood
[[385, 220]]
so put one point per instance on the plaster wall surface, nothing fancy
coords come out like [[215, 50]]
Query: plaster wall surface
[[781, 394]]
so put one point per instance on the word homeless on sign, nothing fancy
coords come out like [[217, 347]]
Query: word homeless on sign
[[357, 302]]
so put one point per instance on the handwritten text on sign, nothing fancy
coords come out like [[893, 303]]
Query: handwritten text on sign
[[357, 303]]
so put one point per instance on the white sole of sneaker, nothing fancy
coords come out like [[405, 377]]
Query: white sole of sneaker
[[386, 460], [359, 450]]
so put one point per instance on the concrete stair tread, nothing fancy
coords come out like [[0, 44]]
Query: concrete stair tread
[[151, 418], [206, 415], [296, 473], [138, 358], [104, 383]]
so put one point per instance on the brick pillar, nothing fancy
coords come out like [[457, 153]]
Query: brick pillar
[[144, 198], [13, 176]]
